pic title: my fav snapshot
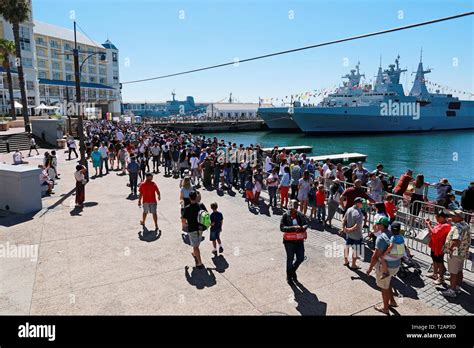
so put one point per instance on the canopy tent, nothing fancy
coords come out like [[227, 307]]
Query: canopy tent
[[45, 107], [18, 105]]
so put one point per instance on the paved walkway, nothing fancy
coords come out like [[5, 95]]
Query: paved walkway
[[100, 261]]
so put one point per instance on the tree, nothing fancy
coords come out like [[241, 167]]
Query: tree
[[16, 12], [7, 49]]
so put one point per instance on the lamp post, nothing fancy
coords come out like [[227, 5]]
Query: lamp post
[[77, 72]]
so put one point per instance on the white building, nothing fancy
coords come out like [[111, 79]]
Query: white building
[[232, 110], [48, 65]]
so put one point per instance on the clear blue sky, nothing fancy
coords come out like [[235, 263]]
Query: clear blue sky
[[156, 41]]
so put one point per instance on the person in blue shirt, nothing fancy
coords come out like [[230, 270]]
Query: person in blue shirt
[[217, 220], [133, 170]]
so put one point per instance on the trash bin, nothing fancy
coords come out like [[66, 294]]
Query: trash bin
[[61, 143]]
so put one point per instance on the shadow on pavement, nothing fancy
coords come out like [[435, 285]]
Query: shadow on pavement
[[149, 236], [307, 302], [132, 197], [78, 210], [221, 263], [200, 278]]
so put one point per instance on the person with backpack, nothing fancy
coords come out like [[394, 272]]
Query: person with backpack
[[194, 221], [382, 243]]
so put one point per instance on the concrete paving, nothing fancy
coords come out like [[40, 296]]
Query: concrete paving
[[99, 261]]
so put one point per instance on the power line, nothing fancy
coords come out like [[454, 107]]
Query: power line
[[306, 47]]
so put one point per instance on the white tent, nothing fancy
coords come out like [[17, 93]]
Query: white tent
[[18, 105]]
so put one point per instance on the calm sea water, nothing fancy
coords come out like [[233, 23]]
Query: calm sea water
[[447, 154]]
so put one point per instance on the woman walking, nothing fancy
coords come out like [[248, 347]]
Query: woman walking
[[81, 181], [335, 192], [96, 160], [284, 187], [304, 185]]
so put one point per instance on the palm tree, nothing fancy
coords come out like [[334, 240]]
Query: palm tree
[[7, 49], [17, 12]]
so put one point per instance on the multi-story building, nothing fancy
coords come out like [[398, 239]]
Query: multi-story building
[[55, 63], [49, 68], [29, 66]]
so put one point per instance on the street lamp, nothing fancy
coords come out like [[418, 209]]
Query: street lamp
[[77, 73]]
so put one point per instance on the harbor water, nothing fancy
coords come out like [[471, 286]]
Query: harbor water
[[447, 154]]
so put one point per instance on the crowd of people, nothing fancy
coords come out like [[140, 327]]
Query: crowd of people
[[313, 192]]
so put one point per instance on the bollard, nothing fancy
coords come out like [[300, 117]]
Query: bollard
[[7, 143]]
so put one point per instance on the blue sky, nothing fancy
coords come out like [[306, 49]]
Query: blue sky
[[153, 38]]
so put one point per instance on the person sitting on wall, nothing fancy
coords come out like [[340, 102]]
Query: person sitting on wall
[[45, 180], [18, 158]]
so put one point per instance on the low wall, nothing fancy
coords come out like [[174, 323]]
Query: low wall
[[48, 130], [20, 190]]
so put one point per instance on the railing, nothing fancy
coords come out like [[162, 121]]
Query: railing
[[413, 225]]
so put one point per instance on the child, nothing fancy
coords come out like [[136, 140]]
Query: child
[[390, 208], [312, 199], [249, 186], [452, 203], [321, 203], [395, 250], [217, 220]]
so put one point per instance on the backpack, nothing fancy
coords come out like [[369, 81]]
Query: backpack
[[204, 218]]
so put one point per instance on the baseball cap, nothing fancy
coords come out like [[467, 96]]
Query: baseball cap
[[358, 200], [396, 227], [457, 212], [383, 220]]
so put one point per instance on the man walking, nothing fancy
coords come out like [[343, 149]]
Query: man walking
[[149, 193], [104, 158], [190, 224], [352, 226], [133, 170], [155, 152], [293, 225]]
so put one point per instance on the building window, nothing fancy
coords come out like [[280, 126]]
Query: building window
[[68, 57], [42, 75], [92, 79], [56, 66], [54, 44], [27, 62], [41, 52], [102, 80], [30, 85], [92, 70], [24, 33], [40, 41], [25, 44], [102, 71], [56, 76], [41, 63], [68, 67], [69, 77], [67, 47], [55, 54], [222, 114]]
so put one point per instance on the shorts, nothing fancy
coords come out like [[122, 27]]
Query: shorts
[[214, 235], [385, 282], [455, 264], [350, 241], [149, 208], [437, 258], [195, 238]]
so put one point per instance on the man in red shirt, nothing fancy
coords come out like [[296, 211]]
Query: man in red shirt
[[149, 193], [351, 193], [403, 183]]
